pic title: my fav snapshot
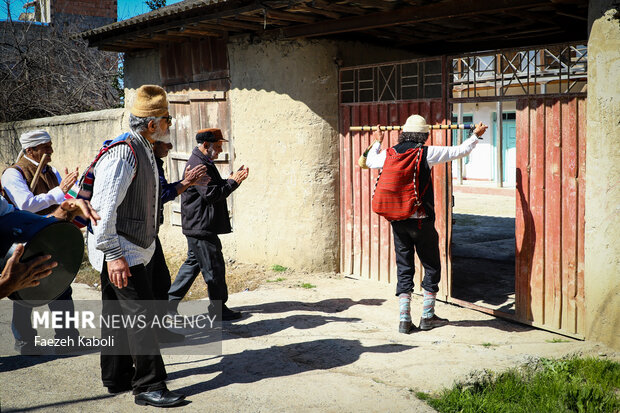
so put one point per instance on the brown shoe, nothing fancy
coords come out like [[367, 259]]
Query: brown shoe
[[430, 323]]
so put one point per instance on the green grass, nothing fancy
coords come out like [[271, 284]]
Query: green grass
[[565, 385], [278, 268], [307, 285], [558, 340], [277, 280], [487, 345]]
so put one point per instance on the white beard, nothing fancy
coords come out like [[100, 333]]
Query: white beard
[[160, 135]]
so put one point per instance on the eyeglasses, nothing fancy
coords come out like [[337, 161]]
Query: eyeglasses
[[168, 119]]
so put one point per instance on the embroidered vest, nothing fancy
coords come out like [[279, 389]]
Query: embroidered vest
[[47, 181], [397, 193]]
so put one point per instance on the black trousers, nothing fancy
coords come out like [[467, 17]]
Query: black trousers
[[419, 235], [203, 255], [160, 279], [143, 372]]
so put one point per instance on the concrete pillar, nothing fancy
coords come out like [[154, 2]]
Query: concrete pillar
[[602, 237]]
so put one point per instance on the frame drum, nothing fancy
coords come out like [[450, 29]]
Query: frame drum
[[41, 235]]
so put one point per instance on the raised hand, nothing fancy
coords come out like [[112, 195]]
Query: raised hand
[[480, 129], [69, 179], [378, 134], [240, 175], [195, 176], [71, 208]]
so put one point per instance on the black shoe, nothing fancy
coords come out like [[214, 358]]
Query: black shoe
[[430, 323], [406, 327], [159, 398], [228, 314], [166, 336], [119, 389], [28, 348]]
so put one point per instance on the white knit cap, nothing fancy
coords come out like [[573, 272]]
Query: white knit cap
[[415, 123], [33, 138]]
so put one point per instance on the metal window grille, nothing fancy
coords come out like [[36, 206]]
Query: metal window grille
[[558, 69], [410, 80]]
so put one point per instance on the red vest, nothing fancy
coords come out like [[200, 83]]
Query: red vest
[[397, 192]]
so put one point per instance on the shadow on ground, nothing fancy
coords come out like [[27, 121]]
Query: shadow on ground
[[250, 366], [332, 305]]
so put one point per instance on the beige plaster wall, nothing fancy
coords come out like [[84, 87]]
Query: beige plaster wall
[[602, 237], [76, 138], [284, 125], [284, 119]]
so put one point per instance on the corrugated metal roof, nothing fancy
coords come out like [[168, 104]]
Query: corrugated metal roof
[[168, 11]]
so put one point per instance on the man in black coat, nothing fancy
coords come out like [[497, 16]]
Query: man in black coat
[[204, 215]]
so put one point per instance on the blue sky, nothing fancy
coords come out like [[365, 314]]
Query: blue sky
[[126, 8]]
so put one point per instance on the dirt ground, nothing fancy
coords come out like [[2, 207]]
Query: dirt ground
[[307, 342], [312, 342]]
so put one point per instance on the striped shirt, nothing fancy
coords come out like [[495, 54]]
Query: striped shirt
[[114, 173]]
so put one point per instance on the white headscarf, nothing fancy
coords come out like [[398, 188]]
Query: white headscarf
[[33, 138]]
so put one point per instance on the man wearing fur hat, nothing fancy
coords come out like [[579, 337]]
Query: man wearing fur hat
[[404, 196], [126, 196], [40, 194]]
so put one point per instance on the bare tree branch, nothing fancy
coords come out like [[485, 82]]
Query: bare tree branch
[[45, 71]]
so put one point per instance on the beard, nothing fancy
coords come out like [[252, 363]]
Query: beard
[[160, 135], [212, 153]]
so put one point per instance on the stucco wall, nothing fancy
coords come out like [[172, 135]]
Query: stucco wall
[[602, 237], [284, 117], [76, 138], [284, 120]]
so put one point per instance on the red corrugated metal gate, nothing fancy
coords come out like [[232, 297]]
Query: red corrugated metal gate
[[549, 223], [366, 238], [410, 87]]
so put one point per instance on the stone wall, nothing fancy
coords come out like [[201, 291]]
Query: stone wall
[[76, 138], [602, 237]]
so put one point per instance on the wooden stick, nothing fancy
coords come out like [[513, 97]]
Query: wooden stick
[[388, 128], [35, 178]]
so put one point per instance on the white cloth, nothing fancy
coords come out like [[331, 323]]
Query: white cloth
[[5, 207], [19, 192], [34, 138], [435, 155], [114, 173]]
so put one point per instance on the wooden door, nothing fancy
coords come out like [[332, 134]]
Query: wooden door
[[193, 111], [551, 156], [195, 74]]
